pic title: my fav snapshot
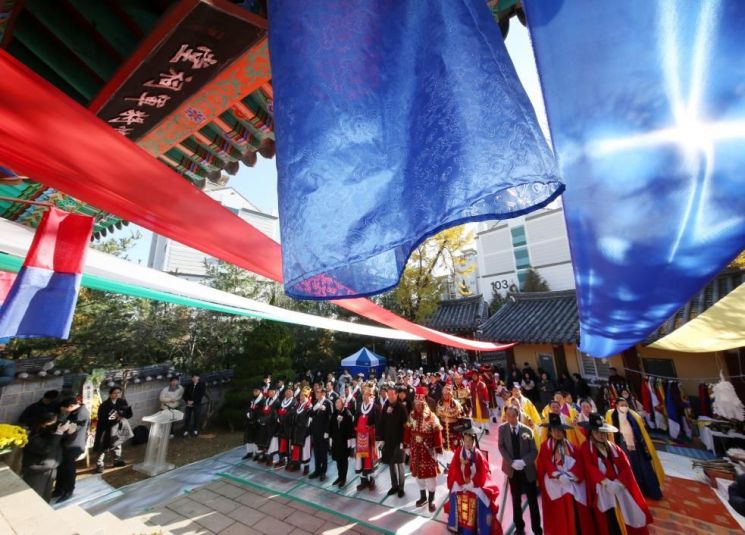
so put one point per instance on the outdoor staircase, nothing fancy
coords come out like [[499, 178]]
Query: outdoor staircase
[[23, 512]]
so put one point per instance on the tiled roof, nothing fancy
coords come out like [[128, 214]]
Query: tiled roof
[[551, 317], [537, 318], [460, 315], [702, 301]]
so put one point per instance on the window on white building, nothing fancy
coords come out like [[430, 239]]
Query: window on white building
[[592, 367]]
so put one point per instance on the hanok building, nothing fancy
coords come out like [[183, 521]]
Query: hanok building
[[461, 317], [546, 327], [168, 74]]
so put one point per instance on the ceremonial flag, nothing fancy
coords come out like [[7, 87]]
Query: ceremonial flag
[[42, 299], [393, 122], [646, 107], [6, 281]]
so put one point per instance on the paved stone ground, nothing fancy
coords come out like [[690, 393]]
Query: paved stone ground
[[228, 508]]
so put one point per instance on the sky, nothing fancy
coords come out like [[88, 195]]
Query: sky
[[259, 184]]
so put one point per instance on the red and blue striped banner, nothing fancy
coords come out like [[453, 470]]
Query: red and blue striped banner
[[42, 299]]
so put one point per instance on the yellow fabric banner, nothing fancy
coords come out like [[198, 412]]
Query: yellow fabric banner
[[720, 328]]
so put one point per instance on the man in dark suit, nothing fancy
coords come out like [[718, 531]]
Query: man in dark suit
[[73, 446], [519, 453], [319, 433], [193, 394]]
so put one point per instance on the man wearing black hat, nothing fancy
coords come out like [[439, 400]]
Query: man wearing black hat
[[472, 504], [561, 479], [612, 492], [518, 449]]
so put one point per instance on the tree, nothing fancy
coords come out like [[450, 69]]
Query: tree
[[534, 282], [420, 287], [266, 349], [738, 262], [497, 300]]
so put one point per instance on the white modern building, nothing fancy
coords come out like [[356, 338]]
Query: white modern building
[[507, 249], [177, 259]]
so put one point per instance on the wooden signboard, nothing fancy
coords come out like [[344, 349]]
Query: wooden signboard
[[193, 42]]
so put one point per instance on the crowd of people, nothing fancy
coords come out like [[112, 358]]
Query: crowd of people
[[594, 473], [58, 430]]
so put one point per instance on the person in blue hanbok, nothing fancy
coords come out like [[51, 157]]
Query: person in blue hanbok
[[635, 442]]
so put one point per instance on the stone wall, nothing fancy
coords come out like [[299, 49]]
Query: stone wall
[[142, 396], [21, 393]]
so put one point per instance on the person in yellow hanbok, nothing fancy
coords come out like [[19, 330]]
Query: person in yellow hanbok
[[633, 438], [568, 416], [529, 415]]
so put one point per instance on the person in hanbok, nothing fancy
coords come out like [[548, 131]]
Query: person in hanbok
[[562, 482], [633, 438], [350, 398], [585, 410], [252, 423], [574, 436], [423, 440], [529, 415], [267, 426], [450, 413], [300, 449], [342, 440], [285, 415], [480, 402], [462, 393], [613, 495], [366, 451], [472, 504]]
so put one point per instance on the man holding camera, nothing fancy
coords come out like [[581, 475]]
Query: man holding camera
[[73, 446], [111, 416]]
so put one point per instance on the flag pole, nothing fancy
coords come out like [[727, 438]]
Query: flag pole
[[25, 201]]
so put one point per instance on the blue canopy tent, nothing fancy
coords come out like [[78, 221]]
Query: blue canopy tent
[[364, 361]]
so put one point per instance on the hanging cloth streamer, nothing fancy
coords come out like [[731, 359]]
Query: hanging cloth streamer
[[394, 122], [46, 135], [647, 115]]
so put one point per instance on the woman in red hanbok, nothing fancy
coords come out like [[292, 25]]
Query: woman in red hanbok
[[472, 505], [613, 496], [562, 482]]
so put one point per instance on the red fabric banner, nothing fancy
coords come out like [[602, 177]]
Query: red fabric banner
[[6, 281], [48, 136]]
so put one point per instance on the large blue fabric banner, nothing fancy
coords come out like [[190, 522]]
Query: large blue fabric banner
[[646, 105], [394, 119]]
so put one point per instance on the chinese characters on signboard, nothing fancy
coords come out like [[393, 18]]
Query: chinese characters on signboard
[[187, 58], [199, 57]]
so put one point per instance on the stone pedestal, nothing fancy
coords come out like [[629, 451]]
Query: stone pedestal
[[157, 442]]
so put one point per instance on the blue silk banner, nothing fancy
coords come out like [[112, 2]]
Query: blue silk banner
[[394, 120], [646, 105]]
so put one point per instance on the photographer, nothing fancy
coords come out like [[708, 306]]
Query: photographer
[[73, 446], [42, 454], [112, 415]]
